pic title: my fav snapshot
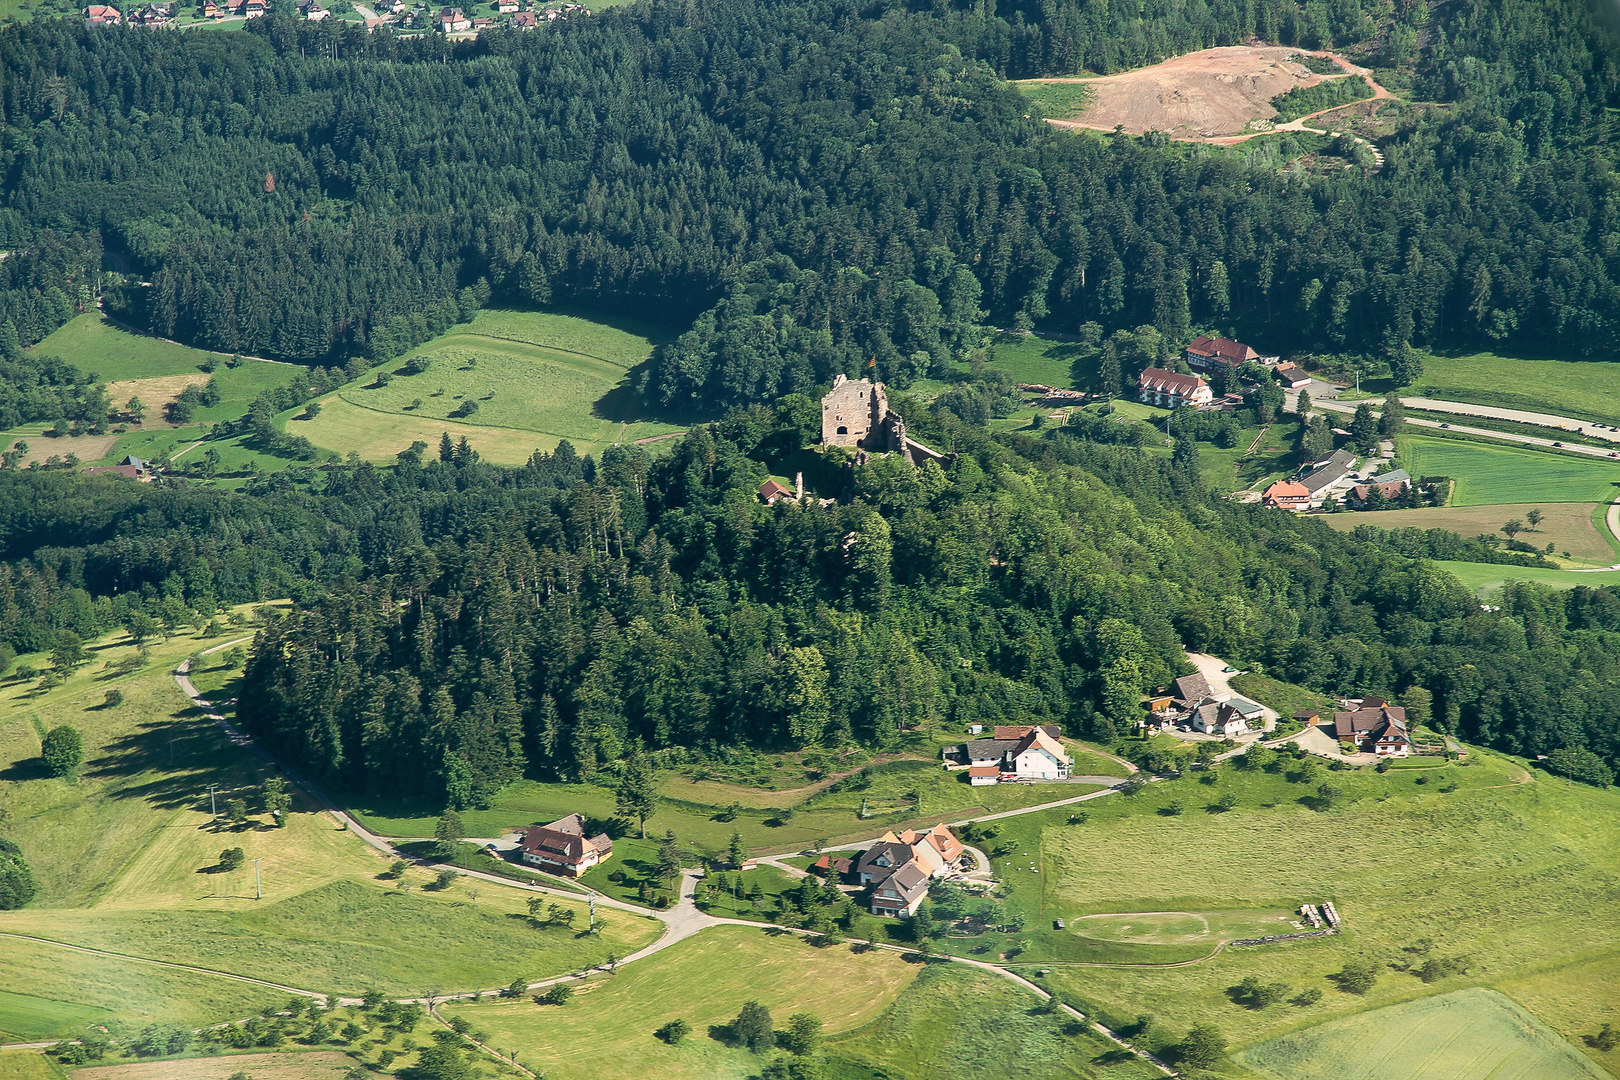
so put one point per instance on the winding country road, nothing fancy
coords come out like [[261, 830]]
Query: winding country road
[[1485, 433], [682, 921]]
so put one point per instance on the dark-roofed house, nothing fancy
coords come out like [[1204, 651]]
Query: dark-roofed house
[[562, 847], [902, 892], [1210, 353], [1329, 476], [1217, 718], [880, 860], [1292, 376], [1375, 728], [1191, 689]]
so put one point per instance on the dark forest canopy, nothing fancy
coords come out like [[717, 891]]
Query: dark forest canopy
[[458, 625], [284, 203]]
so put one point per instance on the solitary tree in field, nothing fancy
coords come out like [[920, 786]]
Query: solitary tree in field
[[449, 832], [1358, 976], [753, 1027], [1202, 1048], [1513, 528], [135, 408], [737, 852], [67, 652], [232, 858], [1533, 517], [275, 798], [63, 750], [1302, 404], [674, 1031]]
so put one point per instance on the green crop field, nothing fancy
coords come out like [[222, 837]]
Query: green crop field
[[1577, 528], [607, 1030], [512, 382], [1504, 875], [1500, 474], [140, 880], [1459, 1036], [1578, 388], [1057, 100], [28, 1065]]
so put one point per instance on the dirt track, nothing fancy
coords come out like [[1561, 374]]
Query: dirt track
[[1210, 95]]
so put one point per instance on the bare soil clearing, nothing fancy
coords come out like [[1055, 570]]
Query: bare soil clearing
[[1198, 96]]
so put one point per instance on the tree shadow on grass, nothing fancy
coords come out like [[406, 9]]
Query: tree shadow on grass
[[184, 753], [627, 403], [27, 769]]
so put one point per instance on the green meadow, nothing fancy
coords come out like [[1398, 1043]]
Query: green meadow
[[1032, 359], [143, 879], [1485, 578], [1579, 388], [1056, 100], [511, 382], [1488, 474], [1498, 879], [1457, 1036]]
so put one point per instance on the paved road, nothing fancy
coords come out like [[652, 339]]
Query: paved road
[[1539, 419], [681, 922], [1505, 436]]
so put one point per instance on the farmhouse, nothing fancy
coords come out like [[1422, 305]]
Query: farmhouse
[[1330, 476], [562, 847], [773, 493], [453, 20], [525, 20], [899, 867], [856, 413], [1291, 375], [1217, 718], [1288, 495], [1172, 390], [1016, 752], [1388, 485], [1375, 727], [102, 15], [1212, 353]]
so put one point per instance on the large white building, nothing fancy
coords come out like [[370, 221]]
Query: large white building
[[1172, 390]]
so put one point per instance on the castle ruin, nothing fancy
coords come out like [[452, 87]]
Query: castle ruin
[[856, 413]]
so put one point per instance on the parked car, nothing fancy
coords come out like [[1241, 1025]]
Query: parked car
[[1228, 669]]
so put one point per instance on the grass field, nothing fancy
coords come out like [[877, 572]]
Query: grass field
[[28, 1065], [1489, 475], [1569, 526], [1459, 1036], [535, 378], [1578, 388], [1057, 100], [308, 1065], [607, 1030], [1030, 359], [957, 1023], [832, 816], [1485, 578], [1506, 874], [140, 882]]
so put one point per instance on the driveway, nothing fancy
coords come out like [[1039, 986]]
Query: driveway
[[1220, 681]]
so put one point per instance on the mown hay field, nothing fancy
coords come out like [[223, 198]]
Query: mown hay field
[[1568, 526], [607, 1029], [1464, 1035], [511, 382]]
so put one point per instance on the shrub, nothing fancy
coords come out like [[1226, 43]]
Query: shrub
[[63, 750], [16, 879], [674, 1031]]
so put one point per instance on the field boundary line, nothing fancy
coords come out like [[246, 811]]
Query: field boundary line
[[553, 348]]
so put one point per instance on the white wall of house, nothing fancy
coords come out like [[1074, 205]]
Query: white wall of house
[[1040, 764]]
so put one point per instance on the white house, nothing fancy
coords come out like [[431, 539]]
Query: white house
[[1017, 752], [1172, 390], [1039, 757], [1217, 718]]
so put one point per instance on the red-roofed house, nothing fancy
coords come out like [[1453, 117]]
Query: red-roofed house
[[1288, 495], [984, 775], [102, 15], [1208, 354], [562, 847], [1171, 389], [773, 493]]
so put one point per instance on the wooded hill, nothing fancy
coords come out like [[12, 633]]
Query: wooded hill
[[459, 625], [859, 172]]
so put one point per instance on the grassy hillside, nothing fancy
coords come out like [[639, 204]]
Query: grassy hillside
[[126, 859], [1459, 1036], [512, 382], [607, 1030], [1484, 578], [1505, 876], [1499, 474]]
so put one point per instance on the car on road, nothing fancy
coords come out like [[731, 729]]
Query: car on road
[[1228, 669], [1559, 444], [1445, 425]]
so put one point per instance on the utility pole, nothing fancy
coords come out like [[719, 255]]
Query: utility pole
[[213, 811], [593, 915], [258, 881]]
